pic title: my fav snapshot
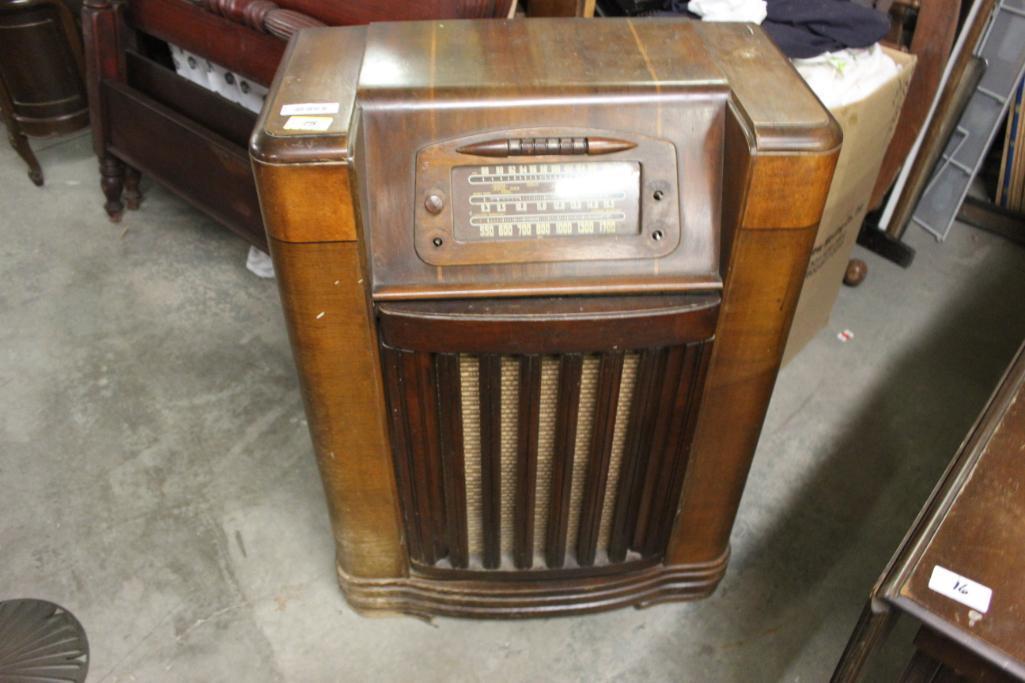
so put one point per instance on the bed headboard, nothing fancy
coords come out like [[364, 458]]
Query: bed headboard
[[249, 36]]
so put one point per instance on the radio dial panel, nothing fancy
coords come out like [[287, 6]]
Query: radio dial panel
[[551, 196]]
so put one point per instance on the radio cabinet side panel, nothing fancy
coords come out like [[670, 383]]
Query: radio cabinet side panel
[[776, 198], [334, 343]]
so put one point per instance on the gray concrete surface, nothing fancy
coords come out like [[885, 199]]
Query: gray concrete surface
[[156, 476]]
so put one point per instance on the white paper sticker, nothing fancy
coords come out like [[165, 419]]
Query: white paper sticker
[[309, 108], [312, 123], [957, 587]]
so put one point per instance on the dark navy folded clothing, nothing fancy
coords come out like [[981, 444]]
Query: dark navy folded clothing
[[807, 28]]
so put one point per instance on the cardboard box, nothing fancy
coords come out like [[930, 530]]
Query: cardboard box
[[868, 125]]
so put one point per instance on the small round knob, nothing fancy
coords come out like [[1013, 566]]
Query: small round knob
[[856, 272], [434, 203]]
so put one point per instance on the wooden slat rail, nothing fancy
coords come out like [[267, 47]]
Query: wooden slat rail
[[635, 453], [548, 325], [526, 461], [451, 437], [491, 457], [568, 405], [222, 41], [609, 374], [205, 169], [402, 451], [231, 121]]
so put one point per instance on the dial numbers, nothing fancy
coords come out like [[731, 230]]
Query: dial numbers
[[532, 201]]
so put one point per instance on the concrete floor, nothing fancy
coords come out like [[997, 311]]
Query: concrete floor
[[156, 476]]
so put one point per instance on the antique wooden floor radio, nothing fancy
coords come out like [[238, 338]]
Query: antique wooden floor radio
[[538, 275]]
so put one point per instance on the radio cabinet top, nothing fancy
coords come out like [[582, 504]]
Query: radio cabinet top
[[511, 158]]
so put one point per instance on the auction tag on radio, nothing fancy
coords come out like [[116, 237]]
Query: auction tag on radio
[[957, 587], [309, 108], [308, 123]]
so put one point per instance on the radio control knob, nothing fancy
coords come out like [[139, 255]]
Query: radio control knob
[[434, 203]]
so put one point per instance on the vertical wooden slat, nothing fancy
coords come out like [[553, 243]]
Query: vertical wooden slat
[[526, 460], [609, 374], [664, 459], [661, 436], [430, 438], [562, 459], [635, 452], [401, 454], [423, 449], [669, 497], [491, 457], [450, 428]]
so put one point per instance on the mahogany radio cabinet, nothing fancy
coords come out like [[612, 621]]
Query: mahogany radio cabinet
[[538, 277]]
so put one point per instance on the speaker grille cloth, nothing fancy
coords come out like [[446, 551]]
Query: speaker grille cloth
[[545, 447], [510, 413], [469, 371]]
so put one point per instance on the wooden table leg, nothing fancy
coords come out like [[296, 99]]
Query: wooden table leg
[[873, 624], [133, 197], [112, 176]]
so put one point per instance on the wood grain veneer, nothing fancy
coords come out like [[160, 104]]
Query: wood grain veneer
[[624, 396]]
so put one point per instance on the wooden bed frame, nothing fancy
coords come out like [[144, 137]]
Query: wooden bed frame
[[148, 119]]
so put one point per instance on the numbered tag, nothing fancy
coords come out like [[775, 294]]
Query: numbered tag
[[309, 108], [309, 123], [957, 587]]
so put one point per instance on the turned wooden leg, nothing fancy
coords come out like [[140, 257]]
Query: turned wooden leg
[[133, 197], [20, 144], [112, 175]]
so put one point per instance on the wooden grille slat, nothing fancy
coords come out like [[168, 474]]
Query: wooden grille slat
[[678, 458], [491, 457], [450, 429], [662, 459], [421, 420], [548, 413], [526, 462], [635, 453], [402, 452], [597, 471], [582, 446], [430, 433], [568, 401], [661, 436], [624, 411]]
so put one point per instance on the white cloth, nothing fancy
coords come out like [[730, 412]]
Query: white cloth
[[190, 66], [845, 76], [216, 78], [752, 11], [259, 263], [223, 82], [250, 95]]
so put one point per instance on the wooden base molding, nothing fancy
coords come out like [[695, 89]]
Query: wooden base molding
[[518, 598]]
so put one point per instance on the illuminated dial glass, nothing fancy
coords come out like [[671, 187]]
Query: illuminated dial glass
[[532, 201]]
